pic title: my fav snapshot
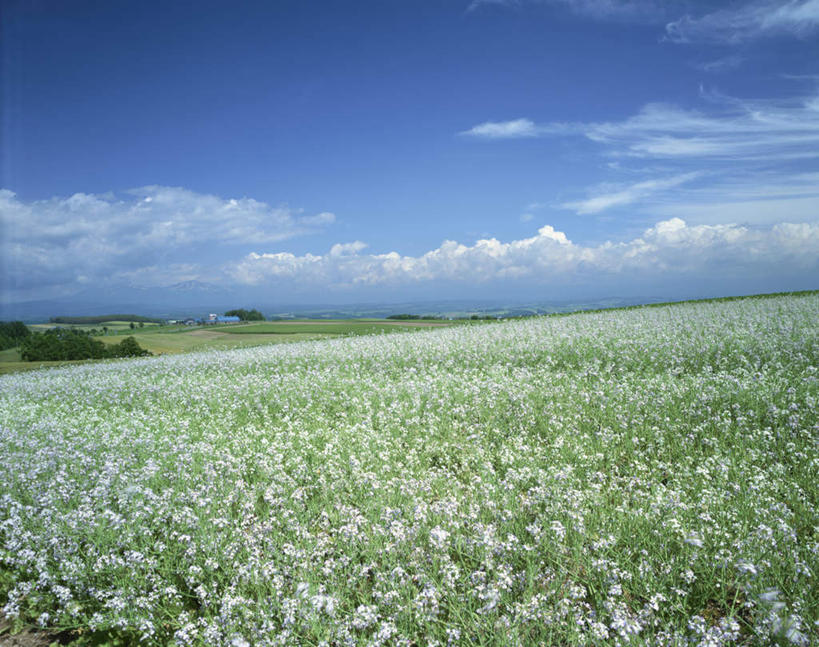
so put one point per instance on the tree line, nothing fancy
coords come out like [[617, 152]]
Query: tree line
[[13, 333], [68, 344]]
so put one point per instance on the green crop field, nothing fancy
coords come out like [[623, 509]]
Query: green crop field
[[160, 340], [629, 477]]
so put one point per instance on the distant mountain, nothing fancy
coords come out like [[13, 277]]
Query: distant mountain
[[186, 298]]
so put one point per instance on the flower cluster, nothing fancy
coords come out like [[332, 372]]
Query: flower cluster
[[630, 477]]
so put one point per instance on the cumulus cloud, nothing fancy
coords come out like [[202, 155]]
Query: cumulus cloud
[[345, 249], [744, 22], [88, 237], [671, 248]]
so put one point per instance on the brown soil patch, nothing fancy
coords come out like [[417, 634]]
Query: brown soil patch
[[26, 638]]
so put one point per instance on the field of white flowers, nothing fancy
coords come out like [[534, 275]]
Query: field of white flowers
[[637, 477]]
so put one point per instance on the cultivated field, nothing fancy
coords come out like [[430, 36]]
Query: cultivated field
[[640, 477], [160, 340]]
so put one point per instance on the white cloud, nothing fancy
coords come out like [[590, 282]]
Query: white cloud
[[744, 22], [503, 129], [347, 249], [736, 129], [87, 237], [715, 156], [627, 195], [733, 129], [670, 249]]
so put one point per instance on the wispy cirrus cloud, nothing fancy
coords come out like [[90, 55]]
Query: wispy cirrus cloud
[[735, 129], [607, 197], [731, 128], [706, 158], [757, 197], [744, 22]]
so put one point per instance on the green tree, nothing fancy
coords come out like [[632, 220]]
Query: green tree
[[66, 344], [128, 347], [61, 344], [245, 315]]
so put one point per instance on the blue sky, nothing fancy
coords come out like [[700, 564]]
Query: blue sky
[[387, 150]]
